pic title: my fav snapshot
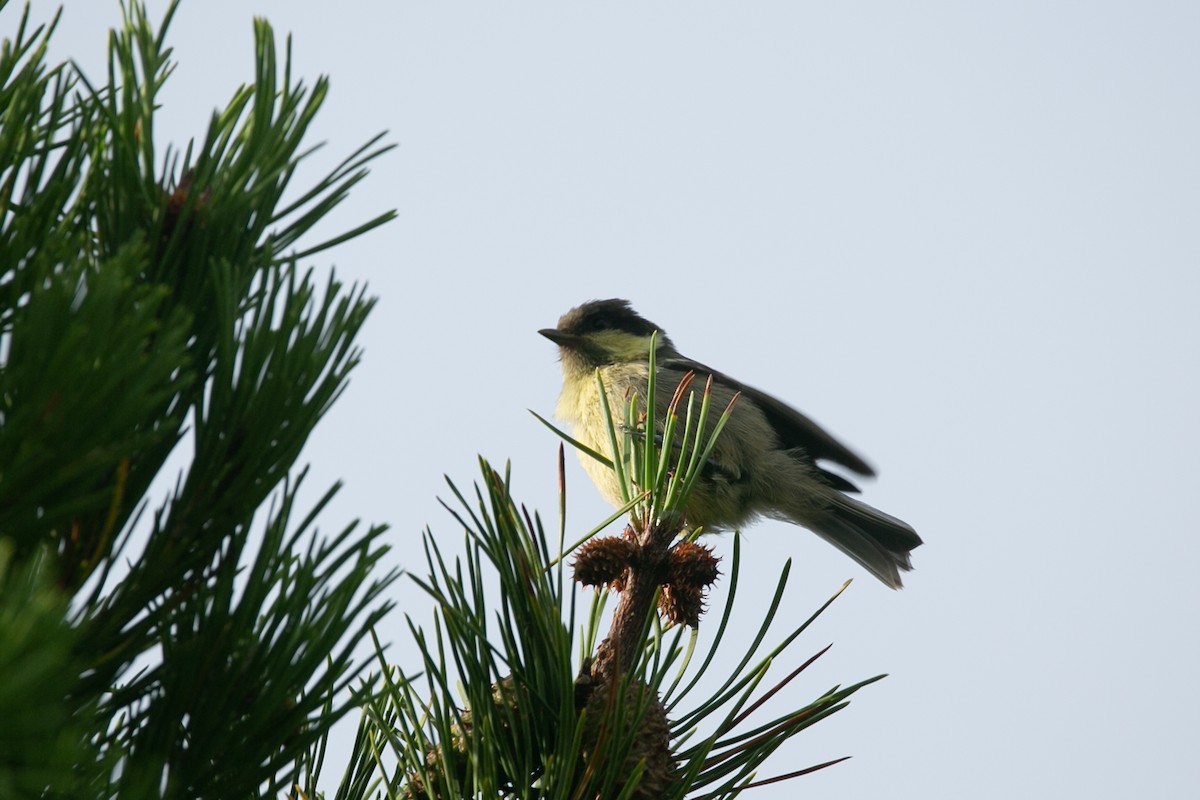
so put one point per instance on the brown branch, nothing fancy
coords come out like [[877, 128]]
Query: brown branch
[[648, 569]]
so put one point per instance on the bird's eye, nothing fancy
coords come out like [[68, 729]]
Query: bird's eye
[[601, 324]]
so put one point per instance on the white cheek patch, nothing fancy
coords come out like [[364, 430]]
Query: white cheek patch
[[623, 346]]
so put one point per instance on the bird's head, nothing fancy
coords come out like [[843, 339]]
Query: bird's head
[[603, 332]]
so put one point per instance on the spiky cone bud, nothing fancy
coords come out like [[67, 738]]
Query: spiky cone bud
[[645, 728], [435, 768], [691, 569], [452, 757], [681, 605], [176, 207], [447, 758], [604, 562], [693, 565]]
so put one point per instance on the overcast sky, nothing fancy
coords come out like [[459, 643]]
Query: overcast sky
[[961, 236]]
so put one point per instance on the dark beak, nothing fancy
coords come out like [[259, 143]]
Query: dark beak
[[560, 338]]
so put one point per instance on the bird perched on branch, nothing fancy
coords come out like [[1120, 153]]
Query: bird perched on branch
[[766, 462]]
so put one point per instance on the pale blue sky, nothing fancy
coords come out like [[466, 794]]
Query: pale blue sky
[[962, 236]]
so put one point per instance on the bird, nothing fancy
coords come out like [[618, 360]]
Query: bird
[[769, 461]]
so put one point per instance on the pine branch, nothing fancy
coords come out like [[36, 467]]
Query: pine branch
[[44, 735], [151, 306], [501, 708]]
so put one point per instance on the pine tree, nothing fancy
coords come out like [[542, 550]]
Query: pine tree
[[152, 304], [520, 698], [199, 640]]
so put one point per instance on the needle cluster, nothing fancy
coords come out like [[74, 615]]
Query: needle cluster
[[171, 622]]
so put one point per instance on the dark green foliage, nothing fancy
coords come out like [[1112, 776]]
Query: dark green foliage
[[515, 698], [505, 704], [172, 623], [44, 733], [201, 644]]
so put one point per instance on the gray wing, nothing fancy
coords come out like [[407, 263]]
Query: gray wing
[[795, 431]]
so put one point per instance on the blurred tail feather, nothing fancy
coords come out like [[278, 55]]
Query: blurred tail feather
[[878, 541]]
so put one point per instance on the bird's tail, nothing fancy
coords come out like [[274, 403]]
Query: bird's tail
[[878, 541]]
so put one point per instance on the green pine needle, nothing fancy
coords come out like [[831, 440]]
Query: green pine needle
[[151, 304]]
